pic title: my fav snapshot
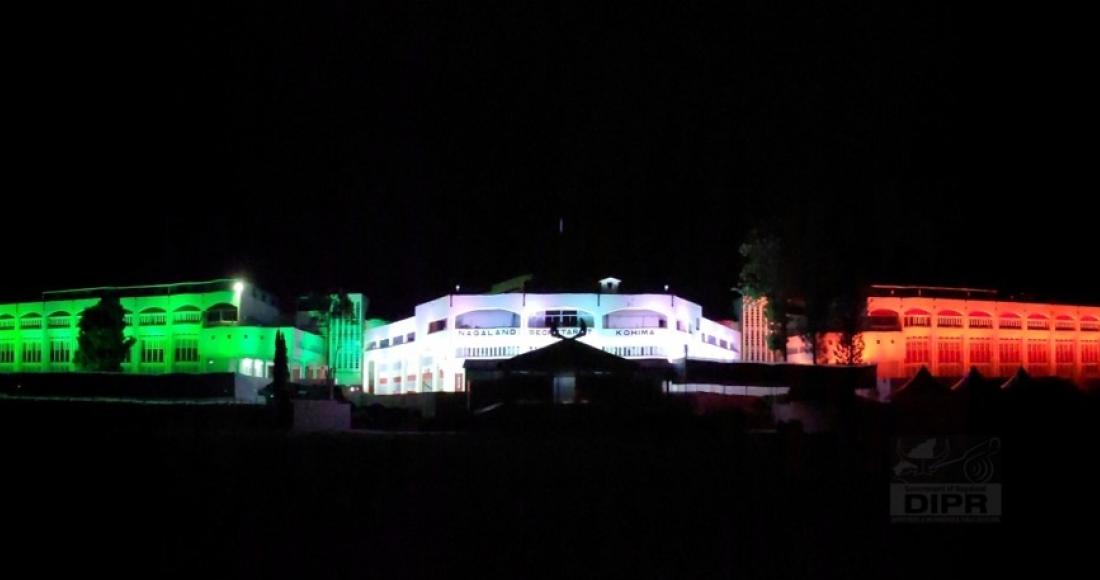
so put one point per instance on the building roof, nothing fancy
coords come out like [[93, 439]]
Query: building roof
[[568, 355], [217, 285]]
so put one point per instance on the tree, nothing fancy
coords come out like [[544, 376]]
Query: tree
[[847, 314], [764, 275], [283, 408], [328, 307], [102, 344], [282, 363]]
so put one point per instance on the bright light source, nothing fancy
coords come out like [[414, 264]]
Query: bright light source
[[238, 287]]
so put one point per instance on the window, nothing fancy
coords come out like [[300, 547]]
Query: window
[[32, 352], [31, 321], [883, 320], [437, 325], [7, 352], [7, 322], [187, 315], [682, 326], [221, 314], [1038, 351], [1010, 352], [1089, 323], [187, 349], [635, 319], [385, 343], [949, 319], [152, 350], [980, 320], [1063, 351], [487, 319], [918, 318], [916, 351], [372, 345], [635, 351], [487, 352], [59, 320], [60, 351], [1011, 321], [1065, 323], [410, 337], [950, 350], [152, 317], [561, 319], [981, 351], [1038, 322], [398, 340]]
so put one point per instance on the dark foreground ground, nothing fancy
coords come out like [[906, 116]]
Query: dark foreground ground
[[208, 492]]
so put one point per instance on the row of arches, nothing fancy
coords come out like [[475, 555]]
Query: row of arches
[[153, 316], [982, 319], [562, 318]]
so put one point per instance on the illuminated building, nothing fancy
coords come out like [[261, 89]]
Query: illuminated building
[[342, 334], [426, 352], [201, 327], [951, 330], [755, 332]]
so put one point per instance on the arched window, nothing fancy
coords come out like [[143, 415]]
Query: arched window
[[495, 318], [918, 317], [560, 318], [221, 314], [59, 319], [980, 320], [1090, 323], [7, 322], [30, 321], [635, 318], [152, 317], [1011, 320], [949, 319], [187, 315], [1065, 322], [1038, 322], [882, 319]]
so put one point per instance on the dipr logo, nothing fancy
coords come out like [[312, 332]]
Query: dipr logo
[[946, 479]]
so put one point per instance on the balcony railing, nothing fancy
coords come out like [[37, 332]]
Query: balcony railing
[[187, 317], [1065, 325], [950, 321], [922, 321], [981, 323], [1090, 326], [152, 319], [1038, 325], [1011, 323]]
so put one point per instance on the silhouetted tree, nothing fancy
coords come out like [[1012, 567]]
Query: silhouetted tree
[[102, 344], [765, 274], [280, 385], [847, 313], [281, 362]]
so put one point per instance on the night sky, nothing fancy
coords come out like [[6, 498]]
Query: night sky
[[398, 148]]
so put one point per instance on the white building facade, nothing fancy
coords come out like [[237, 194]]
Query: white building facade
[[426, 352]]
